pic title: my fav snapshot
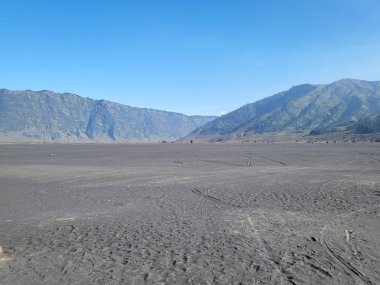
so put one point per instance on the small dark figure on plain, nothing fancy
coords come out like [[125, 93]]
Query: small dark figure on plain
[[191, 141]]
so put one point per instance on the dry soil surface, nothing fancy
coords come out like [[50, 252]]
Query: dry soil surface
[[197, 214]]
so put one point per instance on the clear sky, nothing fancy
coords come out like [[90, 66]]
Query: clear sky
[[191, 56]]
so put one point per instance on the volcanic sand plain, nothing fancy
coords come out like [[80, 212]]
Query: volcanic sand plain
[[190, 214]]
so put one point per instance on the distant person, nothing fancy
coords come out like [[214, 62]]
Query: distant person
[[191, 141]]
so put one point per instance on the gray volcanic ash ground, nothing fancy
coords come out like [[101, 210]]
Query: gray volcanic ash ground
[[197, 214]]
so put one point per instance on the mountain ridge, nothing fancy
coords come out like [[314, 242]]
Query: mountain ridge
[[44, 115], [298, 110]]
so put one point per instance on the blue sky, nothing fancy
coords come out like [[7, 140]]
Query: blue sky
[[195, 57]]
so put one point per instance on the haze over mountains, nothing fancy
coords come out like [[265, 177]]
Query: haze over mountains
[[49, 116], [299, 110]]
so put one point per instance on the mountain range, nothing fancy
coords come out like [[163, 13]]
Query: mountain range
[[299, 110], [47, 116], [344, 105]]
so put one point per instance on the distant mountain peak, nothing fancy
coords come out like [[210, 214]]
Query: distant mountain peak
[[297, 110]]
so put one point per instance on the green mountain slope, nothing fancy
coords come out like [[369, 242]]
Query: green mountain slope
[[49, 116], [366, 125], [299, 110]]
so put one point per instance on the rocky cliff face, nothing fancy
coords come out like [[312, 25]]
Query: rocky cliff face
[[49, 116]]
